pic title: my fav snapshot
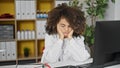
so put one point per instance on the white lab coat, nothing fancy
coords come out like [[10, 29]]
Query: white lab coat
[[62, 50]]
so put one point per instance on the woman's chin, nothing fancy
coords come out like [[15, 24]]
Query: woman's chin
[[65, 36]]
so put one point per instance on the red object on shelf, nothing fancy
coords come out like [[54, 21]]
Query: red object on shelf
[[6, 15]]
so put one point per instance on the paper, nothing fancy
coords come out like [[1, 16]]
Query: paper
[[8, 66], [29, 66]]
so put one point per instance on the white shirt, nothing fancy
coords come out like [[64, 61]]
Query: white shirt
[[62, 50]]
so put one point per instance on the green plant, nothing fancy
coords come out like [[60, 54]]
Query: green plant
[[75, 4], [95, 9], [89, 35], [113, 1], [26, 51]]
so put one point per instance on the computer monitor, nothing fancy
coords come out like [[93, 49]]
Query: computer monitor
[[107, 43]]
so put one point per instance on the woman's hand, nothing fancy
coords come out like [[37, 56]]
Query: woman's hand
[[70, 34], [61, 35]]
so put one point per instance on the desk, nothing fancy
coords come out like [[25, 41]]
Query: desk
[[114, 66], [59, 64], [65, 63], [33, 66]]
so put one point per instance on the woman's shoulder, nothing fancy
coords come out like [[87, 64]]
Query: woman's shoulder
[[50, 36], [81, 37]]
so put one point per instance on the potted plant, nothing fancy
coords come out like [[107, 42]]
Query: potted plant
[[75, 4], [89, 35], [26, 51], [95, 9]]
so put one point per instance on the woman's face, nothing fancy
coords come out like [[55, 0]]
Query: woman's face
[[64, 27]]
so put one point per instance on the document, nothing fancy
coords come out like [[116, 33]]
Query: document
[[29, 66], [8, 66]]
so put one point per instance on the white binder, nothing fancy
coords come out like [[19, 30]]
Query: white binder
[[8, 50], [0, 52], [23, 9], [18, 9], [40, 29], [28, 9], [33, 9], [3, 54], [13, 50], [37, 29], [43, 23]]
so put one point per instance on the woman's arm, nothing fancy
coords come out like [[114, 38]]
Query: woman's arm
[[77, 49], [52, 49]]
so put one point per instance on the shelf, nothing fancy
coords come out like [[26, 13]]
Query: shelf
[[23, 25], [6, 60], [7, 39], [7, 6], [26, 40], [26, 58], [26, 19], [6, 19], [29, 44], [40, 39], [26, 25], [39, 57], [7, 22], [45, 5], [40, 47], [41, 18]]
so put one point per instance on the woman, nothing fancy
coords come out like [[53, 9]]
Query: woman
[[64, 40]]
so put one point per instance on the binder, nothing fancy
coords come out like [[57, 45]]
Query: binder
[[40, 28], [13, 50], [33, 9], [0, 52], [28, 9], [43, 23], [23, 9], [3, 54], [8, 51], [18, 9]]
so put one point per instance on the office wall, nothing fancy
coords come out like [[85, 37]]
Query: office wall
[[110, 12], [117, 10], [113, 11]]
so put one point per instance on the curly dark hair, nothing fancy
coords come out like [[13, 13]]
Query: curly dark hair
[[74, 16]]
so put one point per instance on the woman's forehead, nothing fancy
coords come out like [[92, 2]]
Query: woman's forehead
[[63, 21]]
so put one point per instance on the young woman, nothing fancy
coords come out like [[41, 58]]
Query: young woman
[[64, 40]]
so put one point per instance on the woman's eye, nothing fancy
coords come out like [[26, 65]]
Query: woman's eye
[[62, 25], [69, 26]]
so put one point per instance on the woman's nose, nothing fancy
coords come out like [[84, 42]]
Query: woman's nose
[[66, 28]]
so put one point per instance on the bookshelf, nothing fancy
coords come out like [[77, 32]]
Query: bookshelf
[[22, 14]]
